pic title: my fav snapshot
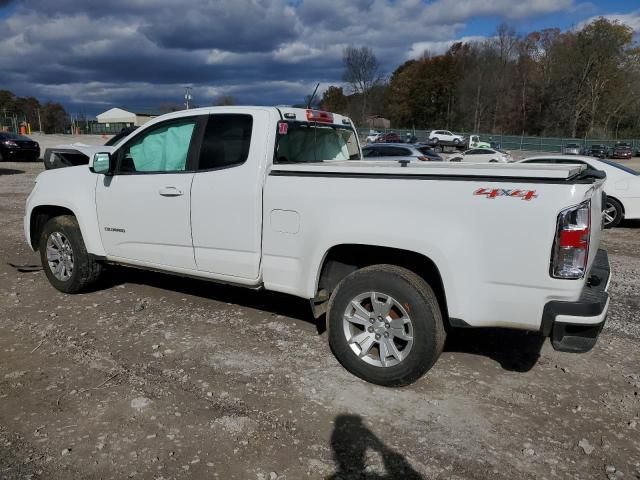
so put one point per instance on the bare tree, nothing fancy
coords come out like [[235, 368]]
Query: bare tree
[[361, 72]]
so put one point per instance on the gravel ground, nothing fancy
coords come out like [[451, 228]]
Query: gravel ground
[[152, 376]]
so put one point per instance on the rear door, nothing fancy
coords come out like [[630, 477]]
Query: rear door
[[226, 196], [143, 210]]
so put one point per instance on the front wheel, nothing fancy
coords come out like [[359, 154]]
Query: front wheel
[[613, 213], [385, 325], [65, 260]]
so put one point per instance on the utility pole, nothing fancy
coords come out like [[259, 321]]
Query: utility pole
[[187, 96], [39, 121]]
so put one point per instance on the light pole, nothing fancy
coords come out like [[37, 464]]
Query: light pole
[[187, 96]]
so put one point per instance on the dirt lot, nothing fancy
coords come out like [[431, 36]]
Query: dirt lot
[[152, 376]]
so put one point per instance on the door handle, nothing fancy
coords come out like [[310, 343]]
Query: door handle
[[170, 192]]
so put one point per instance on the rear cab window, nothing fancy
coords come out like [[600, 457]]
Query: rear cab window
[[308, 142]]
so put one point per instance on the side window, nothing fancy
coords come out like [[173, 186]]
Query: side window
[[226, 141], [160, 149], [473, 152]]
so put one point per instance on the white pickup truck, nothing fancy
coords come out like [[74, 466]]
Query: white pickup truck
[[394, 253]]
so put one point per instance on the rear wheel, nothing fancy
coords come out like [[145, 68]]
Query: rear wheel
[[613, 213], [65, 260], [385, 325]]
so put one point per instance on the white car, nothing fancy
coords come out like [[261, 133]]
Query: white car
[[373, 136], [622, 185], [484, 155], [446, 138], [280, 199]]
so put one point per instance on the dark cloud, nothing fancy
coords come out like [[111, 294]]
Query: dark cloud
[[141, 53]]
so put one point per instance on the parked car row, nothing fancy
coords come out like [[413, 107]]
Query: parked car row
[[621, 150]]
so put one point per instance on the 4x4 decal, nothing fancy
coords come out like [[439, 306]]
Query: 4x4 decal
[[502, 192]]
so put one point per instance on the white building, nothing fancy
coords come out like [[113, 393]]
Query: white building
[[120, 116]]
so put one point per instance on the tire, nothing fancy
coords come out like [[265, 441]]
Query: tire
[[417, 344], [493, 160], [613, 213], [1, 157], [456, 141], [62, 235]]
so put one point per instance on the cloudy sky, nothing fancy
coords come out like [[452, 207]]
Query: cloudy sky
[[92, 54]]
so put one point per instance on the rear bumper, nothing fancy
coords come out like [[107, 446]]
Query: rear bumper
[[575, 326]]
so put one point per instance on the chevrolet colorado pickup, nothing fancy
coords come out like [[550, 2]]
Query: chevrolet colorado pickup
[[395, 253]]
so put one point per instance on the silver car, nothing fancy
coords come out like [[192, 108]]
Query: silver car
[[391, 151], [571, 149]]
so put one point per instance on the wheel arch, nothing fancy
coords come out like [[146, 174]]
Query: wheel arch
[[40, 215], [619, 201], [343, 259]]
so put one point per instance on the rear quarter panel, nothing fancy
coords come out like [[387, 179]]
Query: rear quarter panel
[[492, 253]]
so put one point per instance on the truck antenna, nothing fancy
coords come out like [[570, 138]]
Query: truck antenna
[[312, 96]]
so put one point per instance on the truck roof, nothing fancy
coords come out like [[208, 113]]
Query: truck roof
[[509, 171], [286, 113]]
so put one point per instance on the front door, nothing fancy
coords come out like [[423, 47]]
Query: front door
[[144, 208]]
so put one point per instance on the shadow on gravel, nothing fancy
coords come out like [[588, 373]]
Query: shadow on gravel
[[629, 224], [350, 441], [514, 350], [9, 171], [273, 302]]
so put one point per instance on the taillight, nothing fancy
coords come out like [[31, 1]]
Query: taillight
[[571, 245]]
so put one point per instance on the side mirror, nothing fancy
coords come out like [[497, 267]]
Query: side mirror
[[101, 163]]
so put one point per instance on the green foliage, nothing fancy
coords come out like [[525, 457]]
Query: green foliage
[[15, 110]]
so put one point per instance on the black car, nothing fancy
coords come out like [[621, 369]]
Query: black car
[[598, 151], [17, 147]]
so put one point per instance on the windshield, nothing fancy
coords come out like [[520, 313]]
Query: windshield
[[303, 142], [624, 168]]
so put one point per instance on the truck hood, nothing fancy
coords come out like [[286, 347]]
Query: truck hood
[[507, 171]]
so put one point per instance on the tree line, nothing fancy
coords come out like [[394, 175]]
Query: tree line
[[577, 83], [15, 110]]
